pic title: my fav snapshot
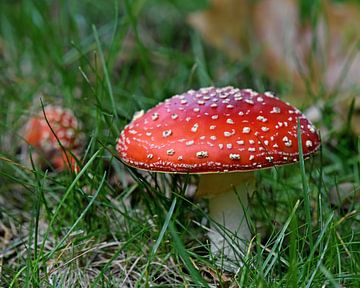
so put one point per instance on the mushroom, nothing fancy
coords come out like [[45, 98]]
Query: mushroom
[[216, 132], [41, 135]]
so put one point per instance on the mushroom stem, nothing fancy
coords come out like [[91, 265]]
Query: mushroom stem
[[230, 231]]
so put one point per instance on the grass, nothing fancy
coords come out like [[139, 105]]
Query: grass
[[112, 226]]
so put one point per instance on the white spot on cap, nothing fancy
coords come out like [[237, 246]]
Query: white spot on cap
[[228, 134], [308, 143], [202, 154], [189, 143], [213, 137], [149, 156], [261, 118], [234, 156], [70, 133], [288, 143], [311, 128], [155, 116], [246, 130], [138, 114], [229, 146], [195, 127], [229, 121], [276, 110], [269, 158], [170, 152], [251, 157], [174, 116], [167, 133], [214, 117], [212, 127], [229, 106], [213, 105], [269, 94], [265, 129], [240, 142]]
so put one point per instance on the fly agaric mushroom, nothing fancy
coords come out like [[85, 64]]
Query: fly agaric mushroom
[[65, 126], [216, 132]]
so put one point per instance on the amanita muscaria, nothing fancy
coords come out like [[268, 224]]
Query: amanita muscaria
[[216, 132], [66, 128]]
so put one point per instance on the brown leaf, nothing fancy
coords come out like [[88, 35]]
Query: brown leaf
[[285, 45], [343, 48], [224, 25]]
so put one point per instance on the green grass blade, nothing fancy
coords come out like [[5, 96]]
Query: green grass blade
[[274, 253], [93, 198], [160, 237], [306, 191], [66, 195], [309, 260], [318, 264], [181, 250], [106, 73]]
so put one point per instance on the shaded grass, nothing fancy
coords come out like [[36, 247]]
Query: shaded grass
[[113, 226]]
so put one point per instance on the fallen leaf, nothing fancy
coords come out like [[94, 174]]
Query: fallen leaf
[[224, 25]]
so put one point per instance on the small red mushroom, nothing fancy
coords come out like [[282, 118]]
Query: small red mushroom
[[217, 131], [40, 134]]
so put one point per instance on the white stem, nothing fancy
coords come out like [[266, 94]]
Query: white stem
[[230, 231]]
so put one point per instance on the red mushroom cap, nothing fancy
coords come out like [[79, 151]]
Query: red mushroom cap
[[64, 125], [216, 130]]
